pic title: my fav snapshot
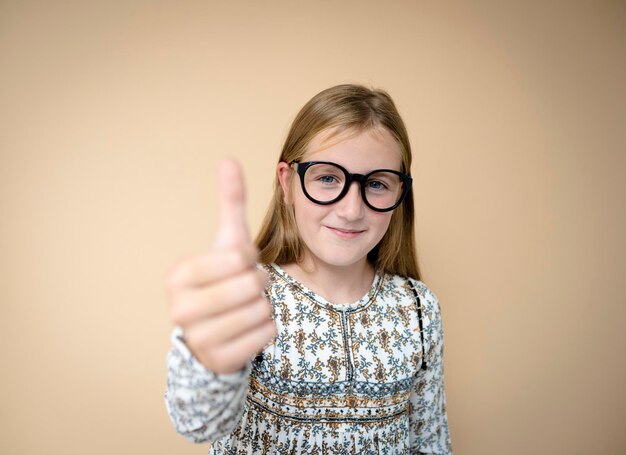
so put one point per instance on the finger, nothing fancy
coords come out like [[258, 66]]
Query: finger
[[211, 267], [233, 355], [232, 228], [209, 301], [227, 326]]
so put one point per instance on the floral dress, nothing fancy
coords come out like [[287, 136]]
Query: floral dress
[[360, 378]]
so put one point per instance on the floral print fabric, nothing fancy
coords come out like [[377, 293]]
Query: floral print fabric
[[338, 379]]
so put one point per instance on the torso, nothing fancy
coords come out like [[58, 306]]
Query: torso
[[336, 374]]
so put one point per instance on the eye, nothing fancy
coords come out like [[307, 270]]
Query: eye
[[376, 185], [327, 179], [324, 174]]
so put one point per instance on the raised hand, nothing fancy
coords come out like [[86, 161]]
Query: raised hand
[[217, 297]]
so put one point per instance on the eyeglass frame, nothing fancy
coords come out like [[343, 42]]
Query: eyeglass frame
[[361, 179]]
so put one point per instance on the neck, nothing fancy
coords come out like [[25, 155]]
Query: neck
[[337, 284]]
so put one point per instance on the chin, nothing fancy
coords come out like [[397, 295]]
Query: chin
[[335, 260]]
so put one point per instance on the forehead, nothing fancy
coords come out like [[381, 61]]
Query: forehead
[[357, 151]]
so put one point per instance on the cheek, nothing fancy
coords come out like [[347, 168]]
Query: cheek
[[382, 221], [306, 212], [380, 226]]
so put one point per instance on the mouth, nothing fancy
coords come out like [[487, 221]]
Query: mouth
[[345, 233]]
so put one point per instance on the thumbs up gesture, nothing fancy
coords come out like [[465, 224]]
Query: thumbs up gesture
[[217, 297]]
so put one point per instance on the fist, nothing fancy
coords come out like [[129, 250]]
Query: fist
[[217, 298]]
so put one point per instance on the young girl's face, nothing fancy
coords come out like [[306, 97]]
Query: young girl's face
[[343, 233]]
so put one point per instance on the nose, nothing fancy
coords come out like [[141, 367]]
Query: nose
[[351, 206]]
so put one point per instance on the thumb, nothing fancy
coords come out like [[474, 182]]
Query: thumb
[[232, 228]]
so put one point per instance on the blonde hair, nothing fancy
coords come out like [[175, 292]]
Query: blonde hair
[[343, 108]]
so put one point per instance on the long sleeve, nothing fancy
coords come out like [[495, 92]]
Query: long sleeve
[[203, 406], [428, 418]]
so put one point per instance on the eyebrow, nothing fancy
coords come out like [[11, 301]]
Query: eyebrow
[[351, 172]]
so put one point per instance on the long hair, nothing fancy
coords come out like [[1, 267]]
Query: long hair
[[343, 108]]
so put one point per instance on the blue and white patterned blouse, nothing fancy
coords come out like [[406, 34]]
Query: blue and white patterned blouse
[[338, 379]]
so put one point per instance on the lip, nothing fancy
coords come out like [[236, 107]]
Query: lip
[[346, 234]]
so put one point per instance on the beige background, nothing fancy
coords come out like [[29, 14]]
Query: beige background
[[113, 116]]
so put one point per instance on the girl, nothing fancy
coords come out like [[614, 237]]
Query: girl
[[319, 338]]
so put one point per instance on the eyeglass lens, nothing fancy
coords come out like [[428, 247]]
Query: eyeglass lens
[[324, 182]]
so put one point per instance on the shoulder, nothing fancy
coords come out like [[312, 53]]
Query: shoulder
[[426, 295], [412, 287], [419, 291]]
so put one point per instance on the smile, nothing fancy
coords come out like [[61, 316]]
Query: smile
[[345, 233]]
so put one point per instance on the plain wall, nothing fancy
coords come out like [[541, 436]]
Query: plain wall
[[113, 116]]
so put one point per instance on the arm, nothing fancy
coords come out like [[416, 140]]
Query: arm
[[428, 416], [217, 299], [202, 405]]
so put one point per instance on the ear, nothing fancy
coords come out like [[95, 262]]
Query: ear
[[285, 175]]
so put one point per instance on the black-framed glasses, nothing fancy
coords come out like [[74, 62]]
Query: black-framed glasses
[[324, 182]]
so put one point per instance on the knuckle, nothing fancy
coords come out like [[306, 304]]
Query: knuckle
[[254, 344], [176, 277], [208, 355], [223, 357], [203, 341], [238, 260], [270, 327], [195, 271], [178, 314], [263, 278], [251, 282], [200, 339], [263, 309], [251, 253]]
